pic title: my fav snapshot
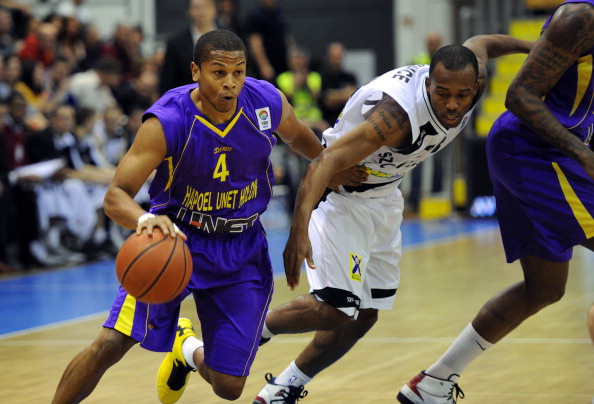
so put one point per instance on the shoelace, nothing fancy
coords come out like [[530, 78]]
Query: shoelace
[[459, 393], [293, 395]]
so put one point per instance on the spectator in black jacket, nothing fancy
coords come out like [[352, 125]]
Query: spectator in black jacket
[[179, 50]]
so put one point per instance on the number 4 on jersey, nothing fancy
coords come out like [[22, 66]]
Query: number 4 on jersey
[[221, 168]]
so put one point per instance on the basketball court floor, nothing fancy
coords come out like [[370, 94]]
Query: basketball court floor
[[449, 269]]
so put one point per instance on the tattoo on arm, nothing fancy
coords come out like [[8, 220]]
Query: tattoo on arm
[[561, 45], [387, 117]]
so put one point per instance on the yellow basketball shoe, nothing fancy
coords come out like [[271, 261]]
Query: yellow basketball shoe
[[174, 371]]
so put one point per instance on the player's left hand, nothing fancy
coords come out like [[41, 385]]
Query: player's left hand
[[353, 177]]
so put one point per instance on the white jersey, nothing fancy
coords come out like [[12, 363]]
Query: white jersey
[[387, 165]]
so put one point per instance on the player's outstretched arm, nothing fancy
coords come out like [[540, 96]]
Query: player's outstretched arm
[[487, 47]]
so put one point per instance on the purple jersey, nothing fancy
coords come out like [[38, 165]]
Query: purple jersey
[[233, 183], [571, 98]]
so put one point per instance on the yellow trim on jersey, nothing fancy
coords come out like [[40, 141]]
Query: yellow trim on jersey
[[215, 129], [584, 218], [584, 74], [170, 168], [126, 317], [173, 170]]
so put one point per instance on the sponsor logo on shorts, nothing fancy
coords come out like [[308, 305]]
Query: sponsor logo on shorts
[[355, 264]]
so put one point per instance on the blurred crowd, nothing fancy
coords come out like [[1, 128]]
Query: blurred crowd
[[71, 102]]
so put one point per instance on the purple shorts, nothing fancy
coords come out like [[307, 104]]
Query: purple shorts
[[545, 200], [232, 285]]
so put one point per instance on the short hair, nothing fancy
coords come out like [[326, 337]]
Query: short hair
[[454, 58], [217, 40]]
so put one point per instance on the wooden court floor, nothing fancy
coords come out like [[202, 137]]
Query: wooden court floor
[[547, 360]]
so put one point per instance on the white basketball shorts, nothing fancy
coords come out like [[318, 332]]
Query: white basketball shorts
[[357, 246]]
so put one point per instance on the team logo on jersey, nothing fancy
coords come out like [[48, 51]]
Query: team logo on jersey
[[263, 115], [355, 264]]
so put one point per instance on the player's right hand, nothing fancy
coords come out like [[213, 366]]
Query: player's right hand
[[297, 249], [163, 222]]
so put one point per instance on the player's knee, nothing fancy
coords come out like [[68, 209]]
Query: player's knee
[[228, 388], [366, 320], [546, 296], [330, 317], [110, 346]]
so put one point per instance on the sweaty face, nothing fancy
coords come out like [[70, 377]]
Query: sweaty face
[[220, 80], [451, 93]]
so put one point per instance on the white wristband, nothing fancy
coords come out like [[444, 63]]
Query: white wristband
[[143, 218]]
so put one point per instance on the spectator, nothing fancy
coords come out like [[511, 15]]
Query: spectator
[[141, 92], [70, 43], [125, 48], [18, 194], [93, 46], [7, 39], [337, 84], [21, 17], [97, 172], [227, 16], [5, 87], [302, 88], [433, 42], [113, 138], [68, 216], [40, 44], [94, 88], [13, 71], [56, 83], [268, 38], [14, 79], [31, 86], [175, 71]]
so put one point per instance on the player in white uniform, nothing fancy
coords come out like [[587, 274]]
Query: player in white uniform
[[389, 125]]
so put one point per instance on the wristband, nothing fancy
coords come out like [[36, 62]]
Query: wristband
[[143, 218]]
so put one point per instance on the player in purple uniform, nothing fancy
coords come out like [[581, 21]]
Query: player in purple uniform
[[542, 167], [210, 145]]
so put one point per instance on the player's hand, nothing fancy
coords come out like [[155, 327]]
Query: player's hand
[[353, 177], [297, 249], [163, 222]]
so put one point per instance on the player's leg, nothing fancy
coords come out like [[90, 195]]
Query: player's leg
[[544, 284], [348, 269], [328, 347], [86, 369], [303, 314], [232, 297]]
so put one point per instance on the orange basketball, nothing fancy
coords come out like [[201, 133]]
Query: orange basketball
[[154, 269]]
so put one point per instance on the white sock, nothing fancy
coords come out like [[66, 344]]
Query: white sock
[[292, 376], [189, 346], [467, 347], [265, 331]]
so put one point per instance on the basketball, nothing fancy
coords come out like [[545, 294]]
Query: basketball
[[154, 269]]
